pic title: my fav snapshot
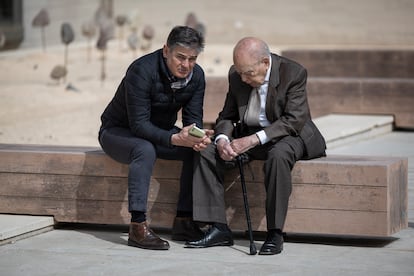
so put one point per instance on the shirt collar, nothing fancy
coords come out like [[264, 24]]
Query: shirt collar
[[268, 70]]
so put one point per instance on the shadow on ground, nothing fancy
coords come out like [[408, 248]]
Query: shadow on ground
[[101, 231]]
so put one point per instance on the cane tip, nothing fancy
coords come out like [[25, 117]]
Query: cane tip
[[253, 250]]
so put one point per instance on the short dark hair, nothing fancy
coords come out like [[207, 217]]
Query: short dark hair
[[186, 37]]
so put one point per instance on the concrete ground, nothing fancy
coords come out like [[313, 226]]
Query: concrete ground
[[101, 250]]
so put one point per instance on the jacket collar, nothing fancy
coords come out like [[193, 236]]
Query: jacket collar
[[166, 75], [175, 83], [274, 72]]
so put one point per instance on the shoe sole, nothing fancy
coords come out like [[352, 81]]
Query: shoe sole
[[225, 243], [135, 244], [270, 253]]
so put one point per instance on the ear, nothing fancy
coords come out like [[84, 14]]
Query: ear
[[165, 50]]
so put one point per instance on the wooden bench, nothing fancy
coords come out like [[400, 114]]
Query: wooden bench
[[341, 195]]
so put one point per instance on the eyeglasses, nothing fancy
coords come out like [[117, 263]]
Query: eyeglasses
[[251, 72]]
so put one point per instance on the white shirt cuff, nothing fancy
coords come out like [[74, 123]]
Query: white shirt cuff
[[262, 137], [221, 136]]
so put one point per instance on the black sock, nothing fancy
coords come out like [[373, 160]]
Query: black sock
[[184, 214], [138, 216], [274, 232], [221, 226]]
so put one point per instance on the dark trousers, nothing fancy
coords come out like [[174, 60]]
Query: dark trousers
[[208, 189], [121, 145]]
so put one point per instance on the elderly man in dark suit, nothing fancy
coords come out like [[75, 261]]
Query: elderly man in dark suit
[[267, 97]]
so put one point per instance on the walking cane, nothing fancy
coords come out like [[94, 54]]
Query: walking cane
[[253, 250]]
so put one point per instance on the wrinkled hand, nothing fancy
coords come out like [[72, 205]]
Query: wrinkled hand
[[225, 150], [243, 144], [184, 139], [205, 141]]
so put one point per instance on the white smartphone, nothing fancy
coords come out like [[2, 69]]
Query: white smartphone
[[197, 132]]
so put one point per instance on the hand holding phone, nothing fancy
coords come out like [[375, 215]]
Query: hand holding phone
[[197, 132]]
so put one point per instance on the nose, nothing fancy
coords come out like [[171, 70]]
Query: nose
[[245, 79], [185, 62]]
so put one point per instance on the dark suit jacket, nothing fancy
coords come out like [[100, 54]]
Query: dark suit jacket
[[286, 106]]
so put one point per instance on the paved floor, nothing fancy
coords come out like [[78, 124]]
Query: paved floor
[[102, 250]]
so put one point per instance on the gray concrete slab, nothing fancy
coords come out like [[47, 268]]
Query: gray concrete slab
[[102, 250], [342, 129], [13, 227], [94, 252]]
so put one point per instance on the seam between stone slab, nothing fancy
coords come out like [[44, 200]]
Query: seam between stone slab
[[343, 128], [15, 225]]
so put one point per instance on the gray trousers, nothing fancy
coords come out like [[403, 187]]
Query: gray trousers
[[208, 189]]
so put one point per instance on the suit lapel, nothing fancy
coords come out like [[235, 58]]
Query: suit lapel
[[272, 88]]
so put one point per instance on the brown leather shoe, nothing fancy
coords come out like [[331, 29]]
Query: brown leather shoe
[[140, 235], [185, 229]]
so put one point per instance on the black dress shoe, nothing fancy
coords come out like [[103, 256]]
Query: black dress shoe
[[213, 237], [273, 245], [185, 229]]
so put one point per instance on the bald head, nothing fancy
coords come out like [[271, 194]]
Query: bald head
[[250, 49], [251, 58]]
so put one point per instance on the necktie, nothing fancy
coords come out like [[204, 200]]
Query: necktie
[[252, 114]]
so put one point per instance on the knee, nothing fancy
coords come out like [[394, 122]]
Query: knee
[[209, 152], [144, 151], [281, 152]]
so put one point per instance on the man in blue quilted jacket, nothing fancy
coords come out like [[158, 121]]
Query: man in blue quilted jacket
[[138, 126]]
